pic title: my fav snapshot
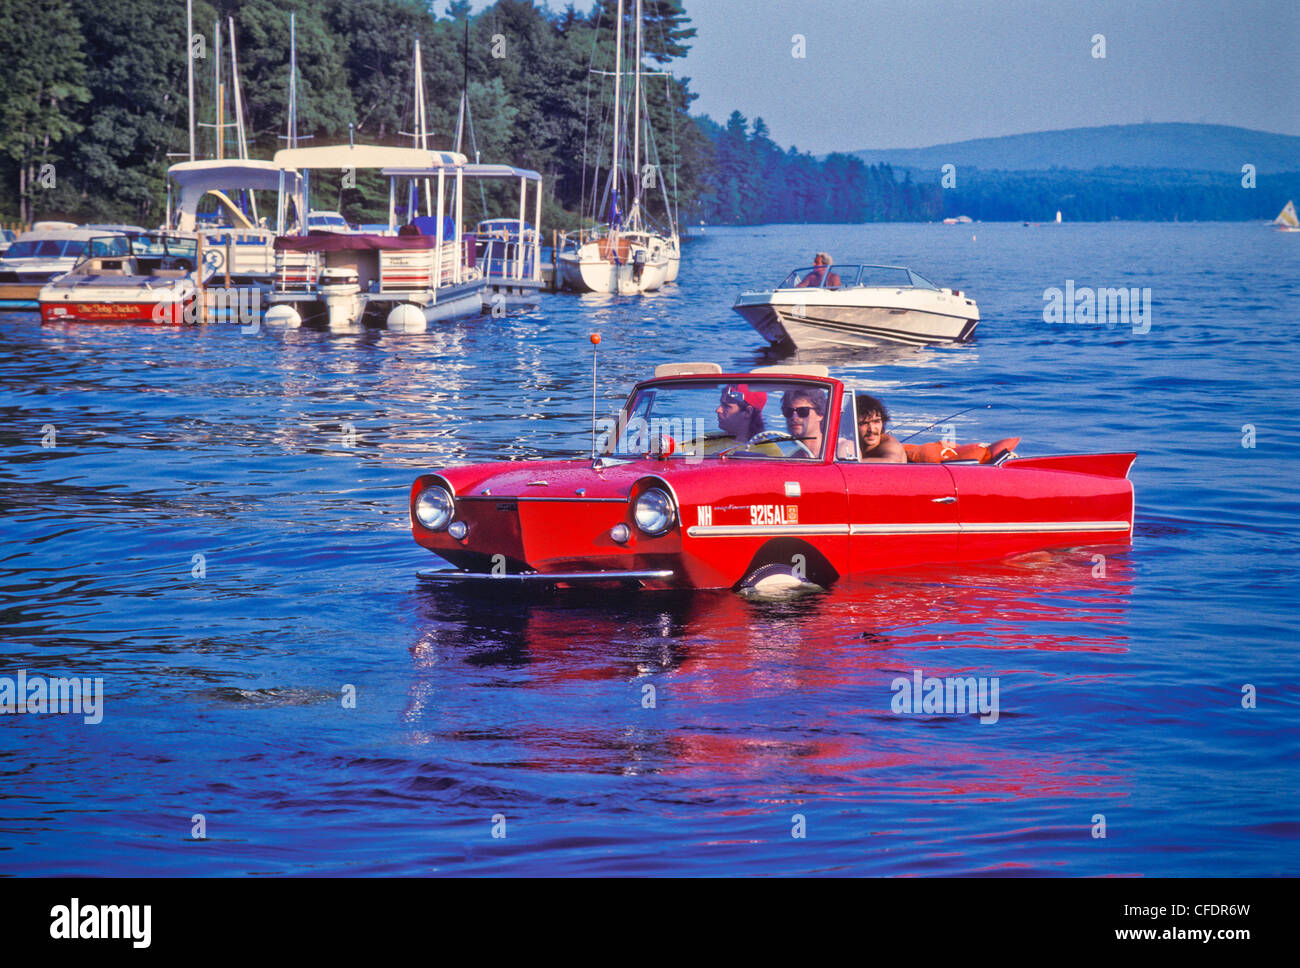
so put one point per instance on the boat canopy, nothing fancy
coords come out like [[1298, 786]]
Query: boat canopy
[[367, 156], [352, 242], [216, 176], [73, 234], [500, 171]]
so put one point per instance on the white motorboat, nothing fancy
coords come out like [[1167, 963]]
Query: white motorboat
[[44, 253], [406, 278], [138, 278], [858, 305]]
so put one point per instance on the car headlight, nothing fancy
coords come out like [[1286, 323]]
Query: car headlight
[[434, 507], [654, 512]]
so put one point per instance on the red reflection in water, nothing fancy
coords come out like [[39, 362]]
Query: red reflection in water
[[792, 699]]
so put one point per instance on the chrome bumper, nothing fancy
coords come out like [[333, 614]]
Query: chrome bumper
[[449, 575]]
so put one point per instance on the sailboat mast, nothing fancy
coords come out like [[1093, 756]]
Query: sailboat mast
[[464, 90], [216, 86], [241, 140], [618, 71], [292, 132], [635, 213], [189, 65]]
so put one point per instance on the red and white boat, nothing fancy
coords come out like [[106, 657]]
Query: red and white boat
[[672, 500], [151, 277]]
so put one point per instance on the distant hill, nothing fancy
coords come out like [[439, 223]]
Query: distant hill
[[1189, 147]]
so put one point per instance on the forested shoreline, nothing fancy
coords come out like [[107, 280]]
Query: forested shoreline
[[93, 110]]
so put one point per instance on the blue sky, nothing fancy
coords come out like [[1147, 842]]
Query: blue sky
[[911, 73]]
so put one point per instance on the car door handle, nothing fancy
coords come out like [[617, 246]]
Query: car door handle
[[943, 500]]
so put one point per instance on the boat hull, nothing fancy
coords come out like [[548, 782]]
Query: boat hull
[[511, 294], [350, 310], [584, 270], [819, 317], [170, 311]]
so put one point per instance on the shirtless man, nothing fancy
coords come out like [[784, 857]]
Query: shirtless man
[[877, 446], [818, 276]]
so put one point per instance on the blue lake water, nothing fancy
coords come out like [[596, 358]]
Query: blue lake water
[[284, 459]]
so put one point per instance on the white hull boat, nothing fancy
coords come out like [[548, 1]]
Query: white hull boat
[[860, 306], [624, 267]]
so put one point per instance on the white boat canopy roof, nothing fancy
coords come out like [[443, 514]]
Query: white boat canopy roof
[[500, 171], [64, 235], [198, 178], [238, 173], [366, 156]]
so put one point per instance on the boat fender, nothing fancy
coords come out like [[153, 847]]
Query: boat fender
[[407, 318], [282, 315]]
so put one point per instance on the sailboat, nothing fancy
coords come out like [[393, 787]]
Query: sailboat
[[1286, 219], [625, 256]]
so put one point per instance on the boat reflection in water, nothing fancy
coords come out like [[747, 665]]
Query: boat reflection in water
[[791, 699]]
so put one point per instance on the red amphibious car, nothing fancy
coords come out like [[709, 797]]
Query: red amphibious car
[[726, 480]]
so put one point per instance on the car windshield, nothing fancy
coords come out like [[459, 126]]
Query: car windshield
[[758, 418]]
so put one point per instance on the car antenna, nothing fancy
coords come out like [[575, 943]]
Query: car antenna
[[984, 406], [595, 342]]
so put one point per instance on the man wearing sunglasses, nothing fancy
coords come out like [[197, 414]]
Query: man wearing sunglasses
[[804, 410]]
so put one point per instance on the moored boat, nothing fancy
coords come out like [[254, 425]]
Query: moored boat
[[858, 305], [36, 257], [138, 278], [508, 250], [405, 279]]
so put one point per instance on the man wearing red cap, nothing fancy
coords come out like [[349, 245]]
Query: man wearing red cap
[[740, 412]]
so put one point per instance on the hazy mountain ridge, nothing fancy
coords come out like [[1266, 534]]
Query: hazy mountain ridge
[[1187, 147]]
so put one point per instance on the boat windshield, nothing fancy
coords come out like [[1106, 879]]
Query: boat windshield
[[844, 276], [110, 247], [164, 245], [750, 419], [46, 249]]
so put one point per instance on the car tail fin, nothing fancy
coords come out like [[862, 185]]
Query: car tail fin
[[1102, 465]]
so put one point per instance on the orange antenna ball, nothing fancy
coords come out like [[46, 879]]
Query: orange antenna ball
[[595, 339]]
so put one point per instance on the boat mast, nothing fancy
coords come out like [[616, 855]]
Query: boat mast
[[634, 216], [189, 65], [217, 92], [420, 136], [618, 70], [292, 128], [240, 140]]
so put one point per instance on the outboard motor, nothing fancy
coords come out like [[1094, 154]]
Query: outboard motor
[[638, 264]]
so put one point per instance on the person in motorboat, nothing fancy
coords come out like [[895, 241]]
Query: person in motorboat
[[821, 274], [804, 410], [740, 413], [877, 446]]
